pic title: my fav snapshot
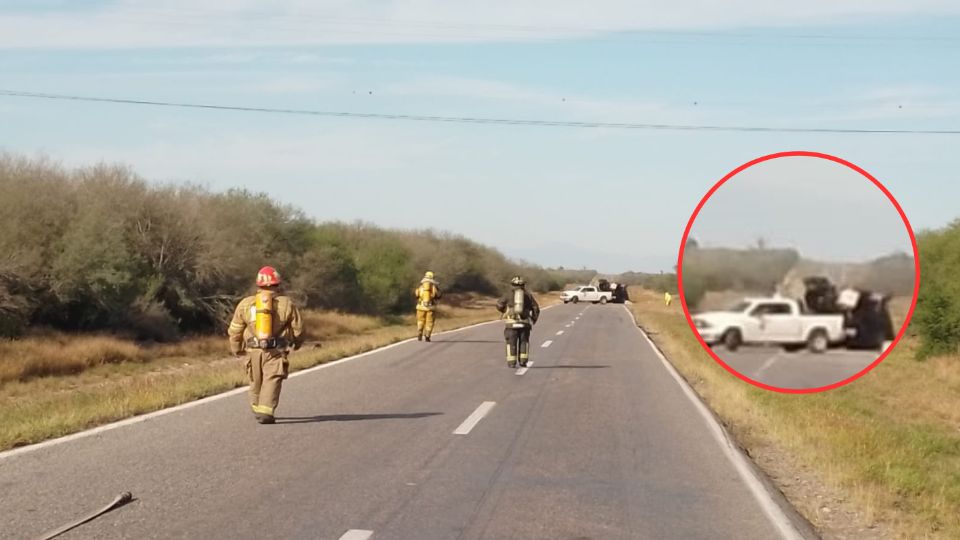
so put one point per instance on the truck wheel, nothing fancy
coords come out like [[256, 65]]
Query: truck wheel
[[732, 339], [575, 299], [818, 342], [603, 300]]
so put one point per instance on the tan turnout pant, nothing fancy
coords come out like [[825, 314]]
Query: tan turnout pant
[[266, 370], [424, 322]]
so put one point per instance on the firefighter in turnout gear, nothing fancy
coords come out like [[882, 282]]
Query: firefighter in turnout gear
[[521, 312], [427, 293], [265, 327]]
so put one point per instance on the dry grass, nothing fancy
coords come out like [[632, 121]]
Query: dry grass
[[48, 353], [77, 382], [890, 441], [324, 325], [63, 355]]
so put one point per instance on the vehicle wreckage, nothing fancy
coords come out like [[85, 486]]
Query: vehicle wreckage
[[865, 313]]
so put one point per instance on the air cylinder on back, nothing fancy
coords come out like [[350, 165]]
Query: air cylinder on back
[[518, 301], [264, 319]]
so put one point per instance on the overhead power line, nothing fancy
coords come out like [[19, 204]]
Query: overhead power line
[[479, 120]]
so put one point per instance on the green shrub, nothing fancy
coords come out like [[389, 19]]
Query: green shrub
[[937, 315], [100, 248]]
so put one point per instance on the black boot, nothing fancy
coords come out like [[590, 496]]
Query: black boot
[[427, 338], [420, 336]]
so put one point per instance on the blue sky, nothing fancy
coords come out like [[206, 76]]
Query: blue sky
[[605, 198], [825, 210]]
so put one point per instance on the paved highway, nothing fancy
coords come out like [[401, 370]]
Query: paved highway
[[596, 440], [798, 369]]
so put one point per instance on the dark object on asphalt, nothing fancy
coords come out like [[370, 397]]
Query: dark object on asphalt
[[868, 320], [121, 500]]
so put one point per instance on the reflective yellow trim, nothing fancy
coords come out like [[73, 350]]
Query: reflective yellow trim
[[263, 409], [524, 356]]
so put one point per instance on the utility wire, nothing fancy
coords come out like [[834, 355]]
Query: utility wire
[[478, 120]]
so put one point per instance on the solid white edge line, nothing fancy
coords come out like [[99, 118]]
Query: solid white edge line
[[774, 513], [524, 369], [356, 534], [546, 344], [183, 406], [474, 419]]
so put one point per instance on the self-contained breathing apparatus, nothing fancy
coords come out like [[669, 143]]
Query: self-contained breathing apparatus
[[262, 313]]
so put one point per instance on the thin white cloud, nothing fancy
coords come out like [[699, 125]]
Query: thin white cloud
[[540, 100], [301, 84], [241, 157], [908, 102], [177, 23], [250, 57]]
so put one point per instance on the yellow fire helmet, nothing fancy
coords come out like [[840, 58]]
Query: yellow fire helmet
[[428, 275]]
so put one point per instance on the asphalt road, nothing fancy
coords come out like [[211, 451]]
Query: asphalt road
[[796, 370], [594, 441]]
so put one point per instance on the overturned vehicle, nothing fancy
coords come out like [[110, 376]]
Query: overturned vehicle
[[619, 291], [866, 317]]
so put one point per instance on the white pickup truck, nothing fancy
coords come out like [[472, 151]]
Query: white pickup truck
[[586, 293], [779, 321]]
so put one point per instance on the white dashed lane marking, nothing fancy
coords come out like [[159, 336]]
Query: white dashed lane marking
[[546, 344], [474, 418], [356, 534]]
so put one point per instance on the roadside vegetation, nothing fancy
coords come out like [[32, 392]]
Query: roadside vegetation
[[101, 379], [938, 306], [761, 270], [889, 442], [115, 293], [101, 249]]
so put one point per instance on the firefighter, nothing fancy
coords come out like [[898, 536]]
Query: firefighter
[[667, 298], [521, 311], [427, 294], [266, 325]]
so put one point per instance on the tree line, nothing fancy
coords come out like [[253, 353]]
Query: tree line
[[101, 248]]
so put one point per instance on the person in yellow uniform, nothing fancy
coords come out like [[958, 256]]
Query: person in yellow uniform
[[427, 293], [667, 298], [265, 327]]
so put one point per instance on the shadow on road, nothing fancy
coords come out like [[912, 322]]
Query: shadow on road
[[569, 366], [468, 341], [350, 417]]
